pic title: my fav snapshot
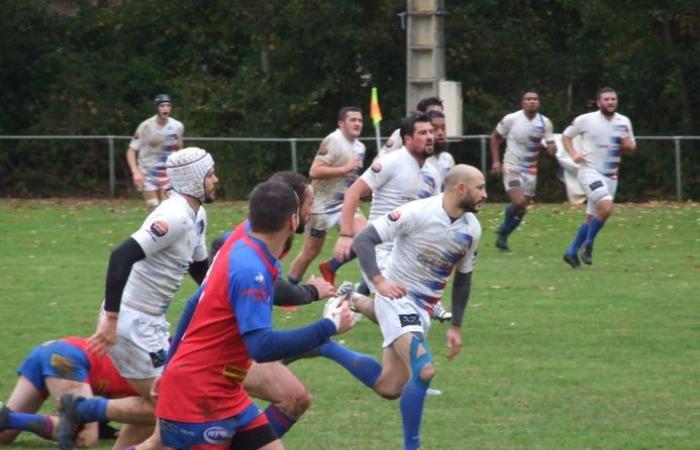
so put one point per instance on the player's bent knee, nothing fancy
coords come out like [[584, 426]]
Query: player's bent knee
[[427, 372]]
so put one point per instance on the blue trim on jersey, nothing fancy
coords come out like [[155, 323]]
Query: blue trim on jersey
[[185, 435], [55, 359]]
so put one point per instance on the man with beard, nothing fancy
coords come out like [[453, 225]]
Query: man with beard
[[441, 159], [336, 166], [523, 131], [393, 179], [154, 139], [424, 105], [431, 237], [143, 275], [605, 136]]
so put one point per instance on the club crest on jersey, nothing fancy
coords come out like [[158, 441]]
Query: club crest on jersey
[[376, 167], [394, 215], [159, 228], [259, 278]]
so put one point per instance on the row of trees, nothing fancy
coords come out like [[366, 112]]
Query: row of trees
[[283, 69]]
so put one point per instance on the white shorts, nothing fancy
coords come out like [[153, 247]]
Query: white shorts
[[515, 177], [383, 253], [142, 344], [318, 224], [598, 187], [400, 316], [154, 178]]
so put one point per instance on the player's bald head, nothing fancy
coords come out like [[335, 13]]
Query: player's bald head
[[463, 173]]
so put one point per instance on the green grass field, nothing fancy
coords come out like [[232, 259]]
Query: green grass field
[[606, 357]]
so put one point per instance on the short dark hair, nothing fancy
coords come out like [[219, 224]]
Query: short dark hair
[[528, 91], [605, 90], [298, 182], [343, 113], [271, 205], [433, 114], [408, 126], [427, 102]]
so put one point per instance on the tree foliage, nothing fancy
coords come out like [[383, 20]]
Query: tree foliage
[[283, 69]]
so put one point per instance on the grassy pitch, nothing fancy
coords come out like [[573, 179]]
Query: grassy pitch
[[605, 357]]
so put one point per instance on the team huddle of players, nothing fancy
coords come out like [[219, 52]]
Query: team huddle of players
[[195, 392]]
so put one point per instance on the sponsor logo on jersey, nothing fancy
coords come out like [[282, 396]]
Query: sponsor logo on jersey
[[200, 227], [217, 435], [235, 373], [432, 262], [376, 167], [394, 215], [159, 228], [257, 295]]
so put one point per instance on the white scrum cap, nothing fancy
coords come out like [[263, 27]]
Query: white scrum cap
[[187, 169]]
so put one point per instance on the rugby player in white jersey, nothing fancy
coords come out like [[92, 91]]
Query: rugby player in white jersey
[[441, 159], [143, 275], [606, 135], [154, 139], [392, 180], [336, 166], [523, 132], [395, 142], [431, 237]]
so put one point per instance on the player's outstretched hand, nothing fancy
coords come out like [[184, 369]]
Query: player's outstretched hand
[[390, 289], [454, 342], [338, 311], [106, 334], [324, 288], [342, 248]]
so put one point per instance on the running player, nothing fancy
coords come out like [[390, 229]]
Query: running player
[[605, 136], [154, 139], [53, 369], [143, 275], [230, 328], [336, 166], [431, 237], [523, 131]]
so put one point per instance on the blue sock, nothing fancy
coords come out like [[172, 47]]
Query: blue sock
[[279, 421], [413, 395], [363, 367], [292, 280], [593, 229], [510, 221], [578, 239], [38, 424], [92, 409], [334, 264]]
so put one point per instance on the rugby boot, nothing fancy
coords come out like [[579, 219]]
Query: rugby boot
[[572, 260], [587, 255], [326, 272], [502, 242]]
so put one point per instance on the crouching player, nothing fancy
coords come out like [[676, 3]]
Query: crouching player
[[58, 367]]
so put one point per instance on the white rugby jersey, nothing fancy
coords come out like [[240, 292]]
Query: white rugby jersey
[[396, 178], [600, 140], [523, 139], [393, 143], [336, 151], [442, 162], [154, 143], [427, 247], [172, 236]]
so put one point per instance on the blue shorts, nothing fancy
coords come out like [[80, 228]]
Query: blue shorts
[[184, 435], [55, 359]]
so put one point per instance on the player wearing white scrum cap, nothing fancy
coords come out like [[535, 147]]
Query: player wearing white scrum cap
[[144, 274]]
